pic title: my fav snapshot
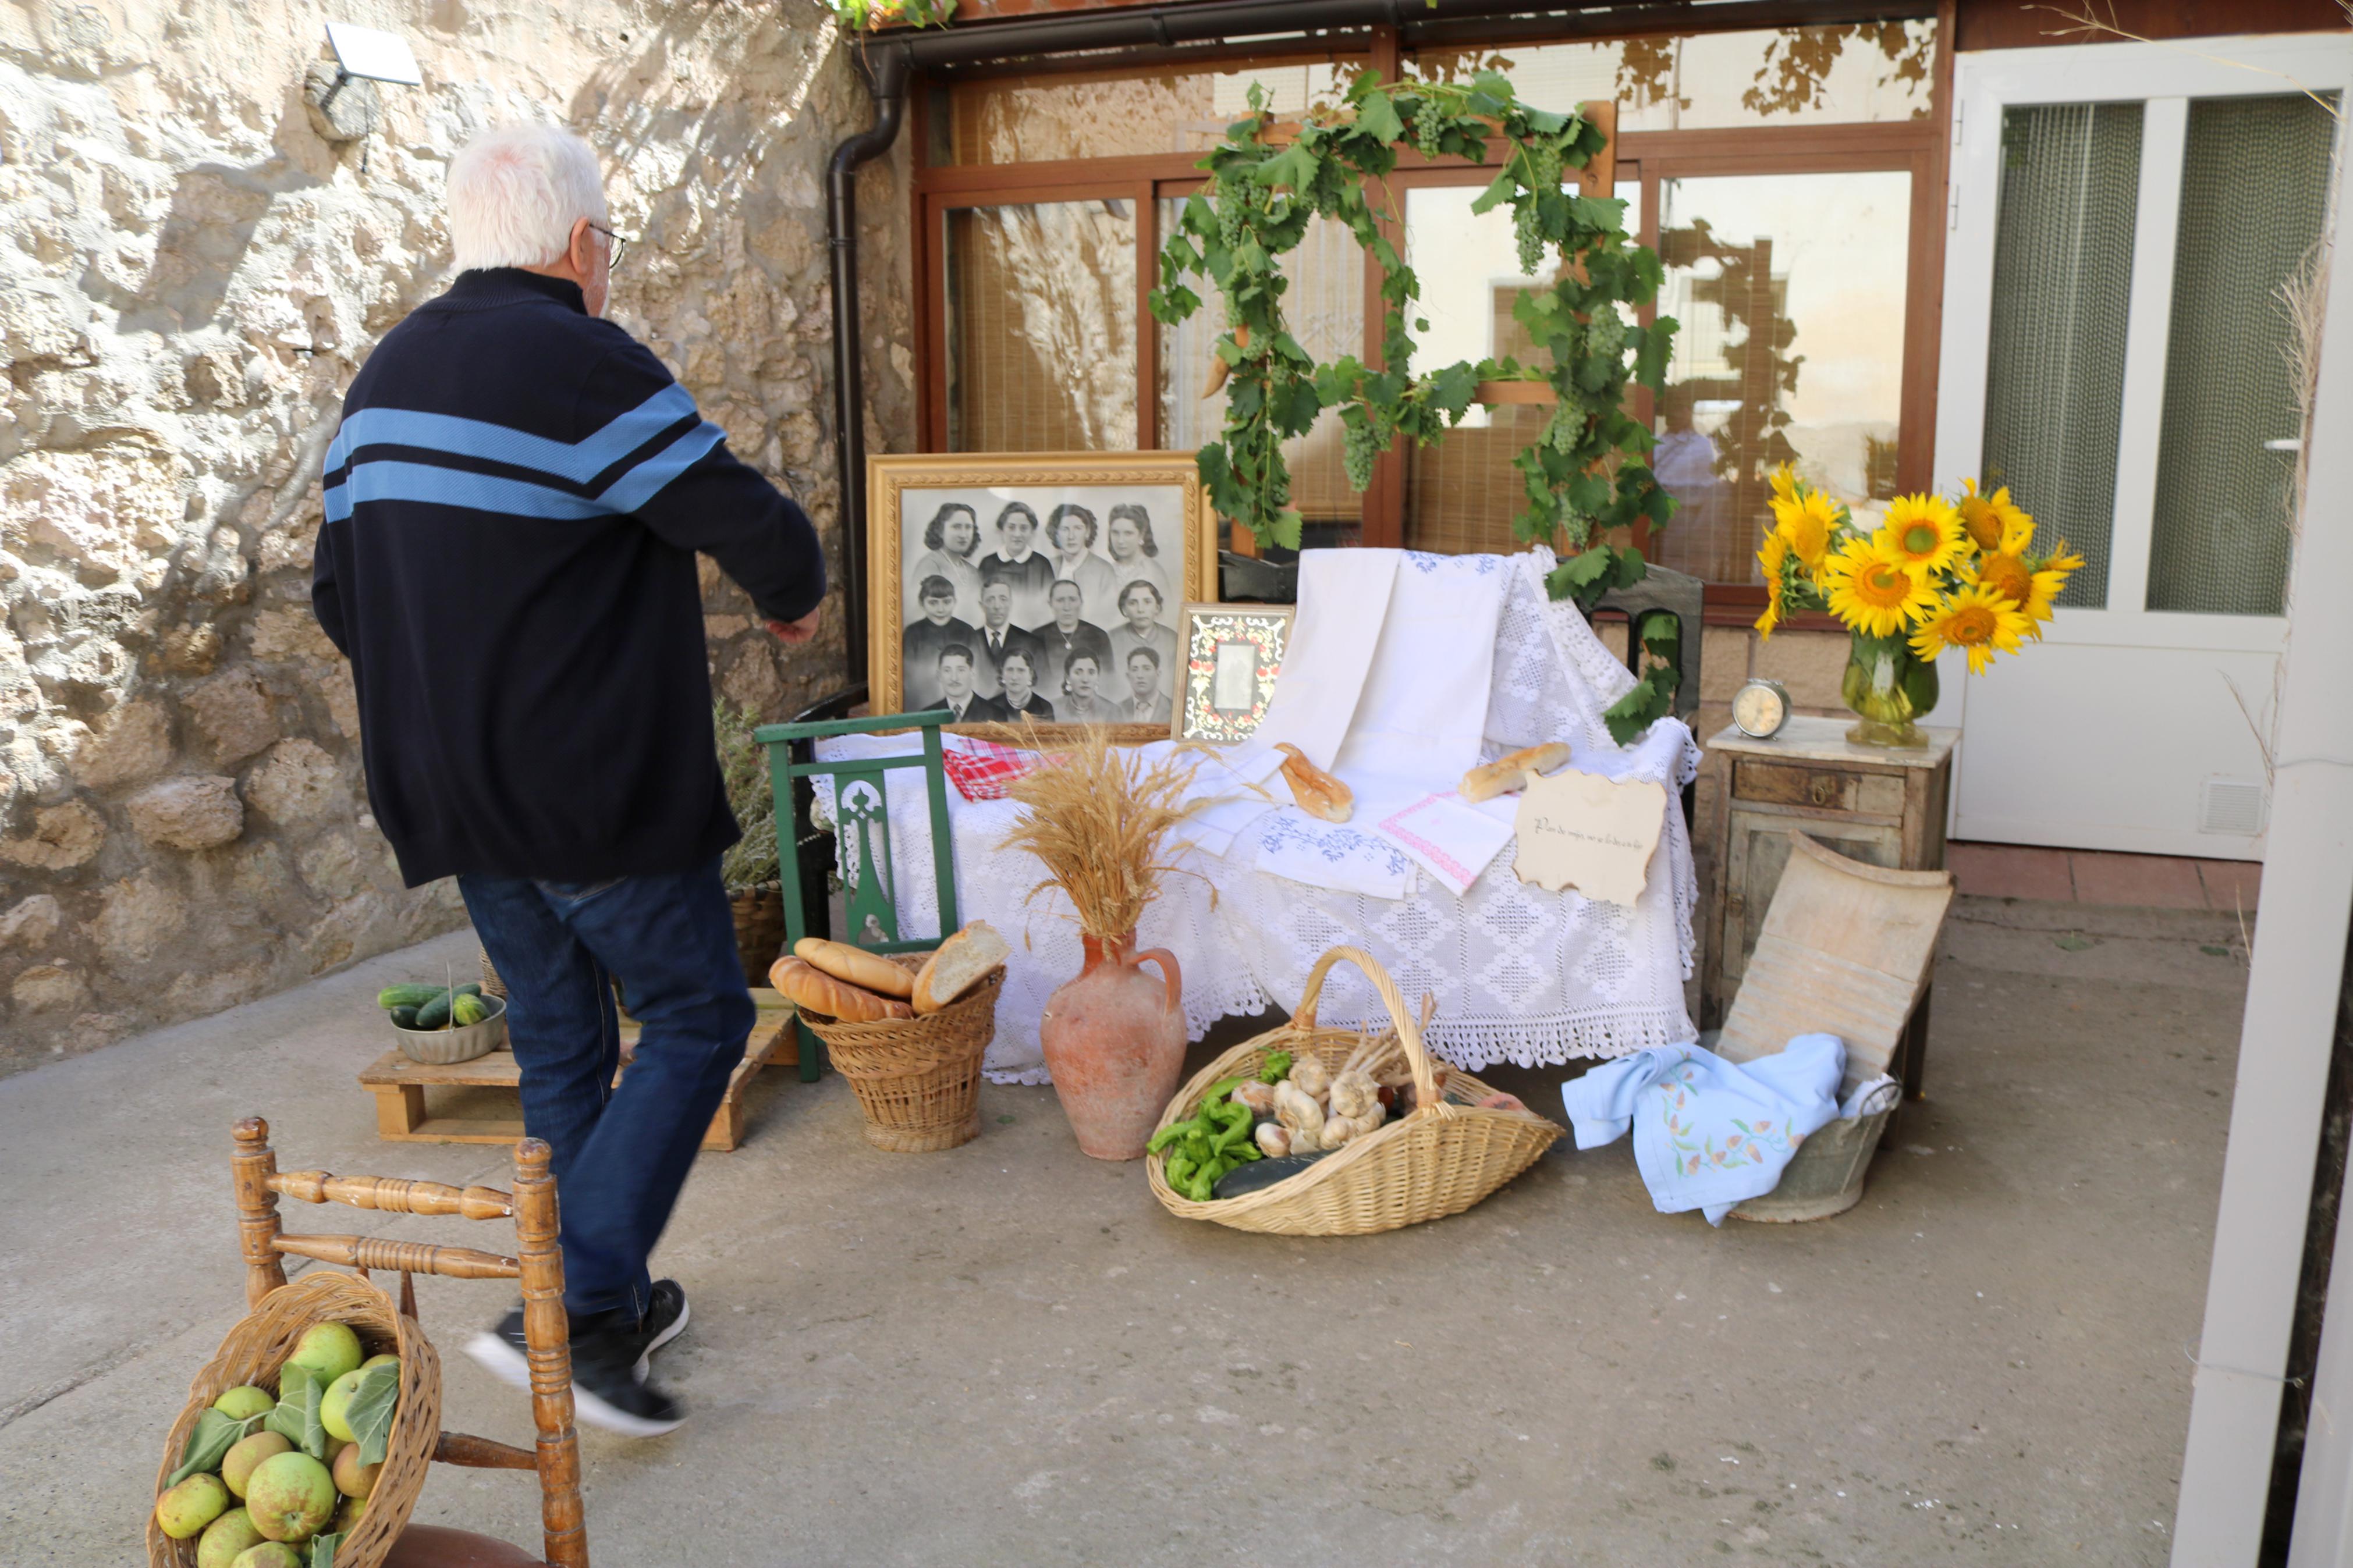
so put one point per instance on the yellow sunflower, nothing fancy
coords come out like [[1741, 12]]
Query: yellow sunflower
[[1990, 520], [1922, 532], [1872, 592], [1785, 483], [1976, 620], [1807, 521], [2016, 579], [1769, 560]]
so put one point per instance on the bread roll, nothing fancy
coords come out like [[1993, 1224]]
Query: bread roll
[[1489, 780], [962, 962], [857, 966], [805, 985], [1318, 793]]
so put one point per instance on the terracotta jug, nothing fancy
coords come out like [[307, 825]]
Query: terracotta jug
[[1114, 1041]]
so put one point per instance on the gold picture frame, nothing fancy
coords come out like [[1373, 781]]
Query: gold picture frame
[[1225, 697], [966, 521]]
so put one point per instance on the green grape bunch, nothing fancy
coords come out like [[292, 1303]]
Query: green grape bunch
[[1359, 446]]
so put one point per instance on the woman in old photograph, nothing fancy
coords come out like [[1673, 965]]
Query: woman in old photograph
[[950, 540], [1065, 636], [1079, 703], [1071, 529], [1018, 692], [1128, 533], [1141, 606], [1017, 560]]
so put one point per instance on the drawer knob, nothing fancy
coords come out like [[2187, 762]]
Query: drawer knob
[[1825, 789]]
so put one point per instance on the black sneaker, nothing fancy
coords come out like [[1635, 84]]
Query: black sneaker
[[666, 1316], [608, 1386]]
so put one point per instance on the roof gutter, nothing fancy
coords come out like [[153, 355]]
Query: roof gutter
[[889, 60]]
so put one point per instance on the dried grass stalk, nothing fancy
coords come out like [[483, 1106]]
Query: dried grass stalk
[[1099, 819]]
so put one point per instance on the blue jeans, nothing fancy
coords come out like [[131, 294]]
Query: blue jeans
[[620, 1154]]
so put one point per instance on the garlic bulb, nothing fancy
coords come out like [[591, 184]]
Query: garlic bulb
[[1295, 1110], [1313, 1078], [1258, 1096], [1273, 1140], [1353, 1093]]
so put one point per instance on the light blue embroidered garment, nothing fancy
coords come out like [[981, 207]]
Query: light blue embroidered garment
[[1708, 1132]]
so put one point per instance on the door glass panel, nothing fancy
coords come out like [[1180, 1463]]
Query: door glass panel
[[1325, 308], [1781, 76], [1790, 292], [2254, 196], [1462, 492], [1111, 114], [2062, 288], [1042, 327]]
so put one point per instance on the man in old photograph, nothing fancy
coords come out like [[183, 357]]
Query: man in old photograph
[[1066, 635], [999, 638], [1018, 562], [951, 543], [954, 680], [922, 640], [1146, 703], [1139, 607], [1071, 529]]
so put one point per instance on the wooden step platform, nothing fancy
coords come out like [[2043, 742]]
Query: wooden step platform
[[399, 1085]]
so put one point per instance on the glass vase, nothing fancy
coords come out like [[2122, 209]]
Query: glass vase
[[1888, 687]]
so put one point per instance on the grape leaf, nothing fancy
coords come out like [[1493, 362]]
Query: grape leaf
[[216, 1433], [296, 1419], [371, 1410]]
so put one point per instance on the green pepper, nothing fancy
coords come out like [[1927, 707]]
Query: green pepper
[[1180, 1171], [1167, 1135], [1218, 1091], [1277, 1067]]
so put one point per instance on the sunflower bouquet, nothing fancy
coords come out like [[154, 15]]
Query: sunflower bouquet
[[1934, 574]]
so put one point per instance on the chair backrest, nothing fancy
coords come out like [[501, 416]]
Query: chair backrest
[[540, 1267], [1845, 949]]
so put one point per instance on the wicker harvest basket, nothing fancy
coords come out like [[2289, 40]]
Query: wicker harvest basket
[[257, 1347], [1439, 1160], [918, 1079], [759, 930]]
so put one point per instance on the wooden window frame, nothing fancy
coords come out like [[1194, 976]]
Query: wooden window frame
[[1921, 148]]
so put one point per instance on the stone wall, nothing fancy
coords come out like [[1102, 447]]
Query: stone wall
[[191, 274]]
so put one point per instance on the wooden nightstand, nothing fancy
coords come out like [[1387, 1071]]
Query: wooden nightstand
[[1880, 806]]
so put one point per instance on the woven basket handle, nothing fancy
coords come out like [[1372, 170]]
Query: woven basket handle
[[1425, 1084]]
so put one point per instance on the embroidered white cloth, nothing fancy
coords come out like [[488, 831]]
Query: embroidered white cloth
[[1448, 837], [1520, 974]]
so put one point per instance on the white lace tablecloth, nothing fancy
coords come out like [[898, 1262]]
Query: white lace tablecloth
[[1520, 974]]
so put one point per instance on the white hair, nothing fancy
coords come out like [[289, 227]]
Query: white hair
[[515, 191]]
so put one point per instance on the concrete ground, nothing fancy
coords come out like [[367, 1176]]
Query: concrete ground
[[1009, 1354]]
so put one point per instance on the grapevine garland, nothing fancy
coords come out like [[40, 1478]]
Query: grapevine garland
[[1588, 472]]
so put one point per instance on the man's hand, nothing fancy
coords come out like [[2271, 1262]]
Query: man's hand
[[798, 631]]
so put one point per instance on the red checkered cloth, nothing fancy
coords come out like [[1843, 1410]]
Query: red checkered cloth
[[981, 769]]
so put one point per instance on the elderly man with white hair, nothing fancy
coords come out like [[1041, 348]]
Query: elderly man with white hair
[[514, 502]]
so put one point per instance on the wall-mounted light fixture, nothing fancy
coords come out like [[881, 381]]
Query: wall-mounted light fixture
[[342, 99]]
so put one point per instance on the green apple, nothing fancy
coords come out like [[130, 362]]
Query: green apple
[[225, 1536], [269, 1554], [245, 1457], [348, 1518], [194, 1503], [353, 1478], [241, 1403], [379, 1361], [290, 1496], [335, 1406], [329, 1350]]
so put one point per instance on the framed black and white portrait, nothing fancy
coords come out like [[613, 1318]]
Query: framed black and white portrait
[[1038, 587]]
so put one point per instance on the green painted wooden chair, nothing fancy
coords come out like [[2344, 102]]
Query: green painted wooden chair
[[861, 818]]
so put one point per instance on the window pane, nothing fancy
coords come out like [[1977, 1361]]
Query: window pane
[[1042, 328], [1049, 115], [1784, 76], [1462, 492], [2062, 285], [2254, 196], [1324, 308], [1789, 289]]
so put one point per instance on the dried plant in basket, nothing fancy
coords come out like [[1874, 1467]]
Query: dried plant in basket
[[1098, 818]]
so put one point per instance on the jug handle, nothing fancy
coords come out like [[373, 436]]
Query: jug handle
[[1169, 973]]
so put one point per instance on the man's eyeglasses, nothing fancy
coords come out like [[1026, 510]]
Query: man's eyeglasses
[[615, 246]]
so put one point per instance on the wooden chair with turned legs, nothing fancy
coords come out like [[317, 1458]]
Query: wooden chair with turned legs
[[546, 1332]]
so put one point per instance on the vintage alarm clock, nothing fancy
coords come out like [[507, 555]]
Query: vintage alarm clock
[[1760, 708]]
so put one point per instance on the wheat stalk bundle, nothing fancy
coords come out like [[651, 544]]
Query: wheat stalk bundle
[[1099, 819]]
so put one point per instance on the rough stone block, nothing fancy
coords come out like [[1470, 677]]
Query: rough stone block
[[31, 922], [296, 783], [194, 811], [1808, 663], [136, 916], [63, 836], [133, 744], [49, 988], [233, 714]]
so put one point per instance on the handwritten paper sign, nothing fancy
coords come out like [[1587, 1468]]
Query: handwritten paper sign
[[1594, 835]]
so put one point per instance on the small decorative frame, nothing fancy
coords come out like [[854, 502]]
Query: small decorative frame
[[1231, 655], [910, 496]]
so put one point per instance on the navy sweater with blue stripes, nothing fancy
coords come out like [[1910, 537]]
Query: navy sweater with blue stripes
[[514, 501]]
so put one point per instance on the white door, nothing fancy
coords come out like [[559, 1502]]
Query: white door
[[2117, 350]]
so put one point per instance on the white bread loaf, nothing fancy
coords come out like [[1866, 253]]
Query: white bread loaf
[[856, 965], [1489, 780], [960, 962], [805, 985], [1319, 793]]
